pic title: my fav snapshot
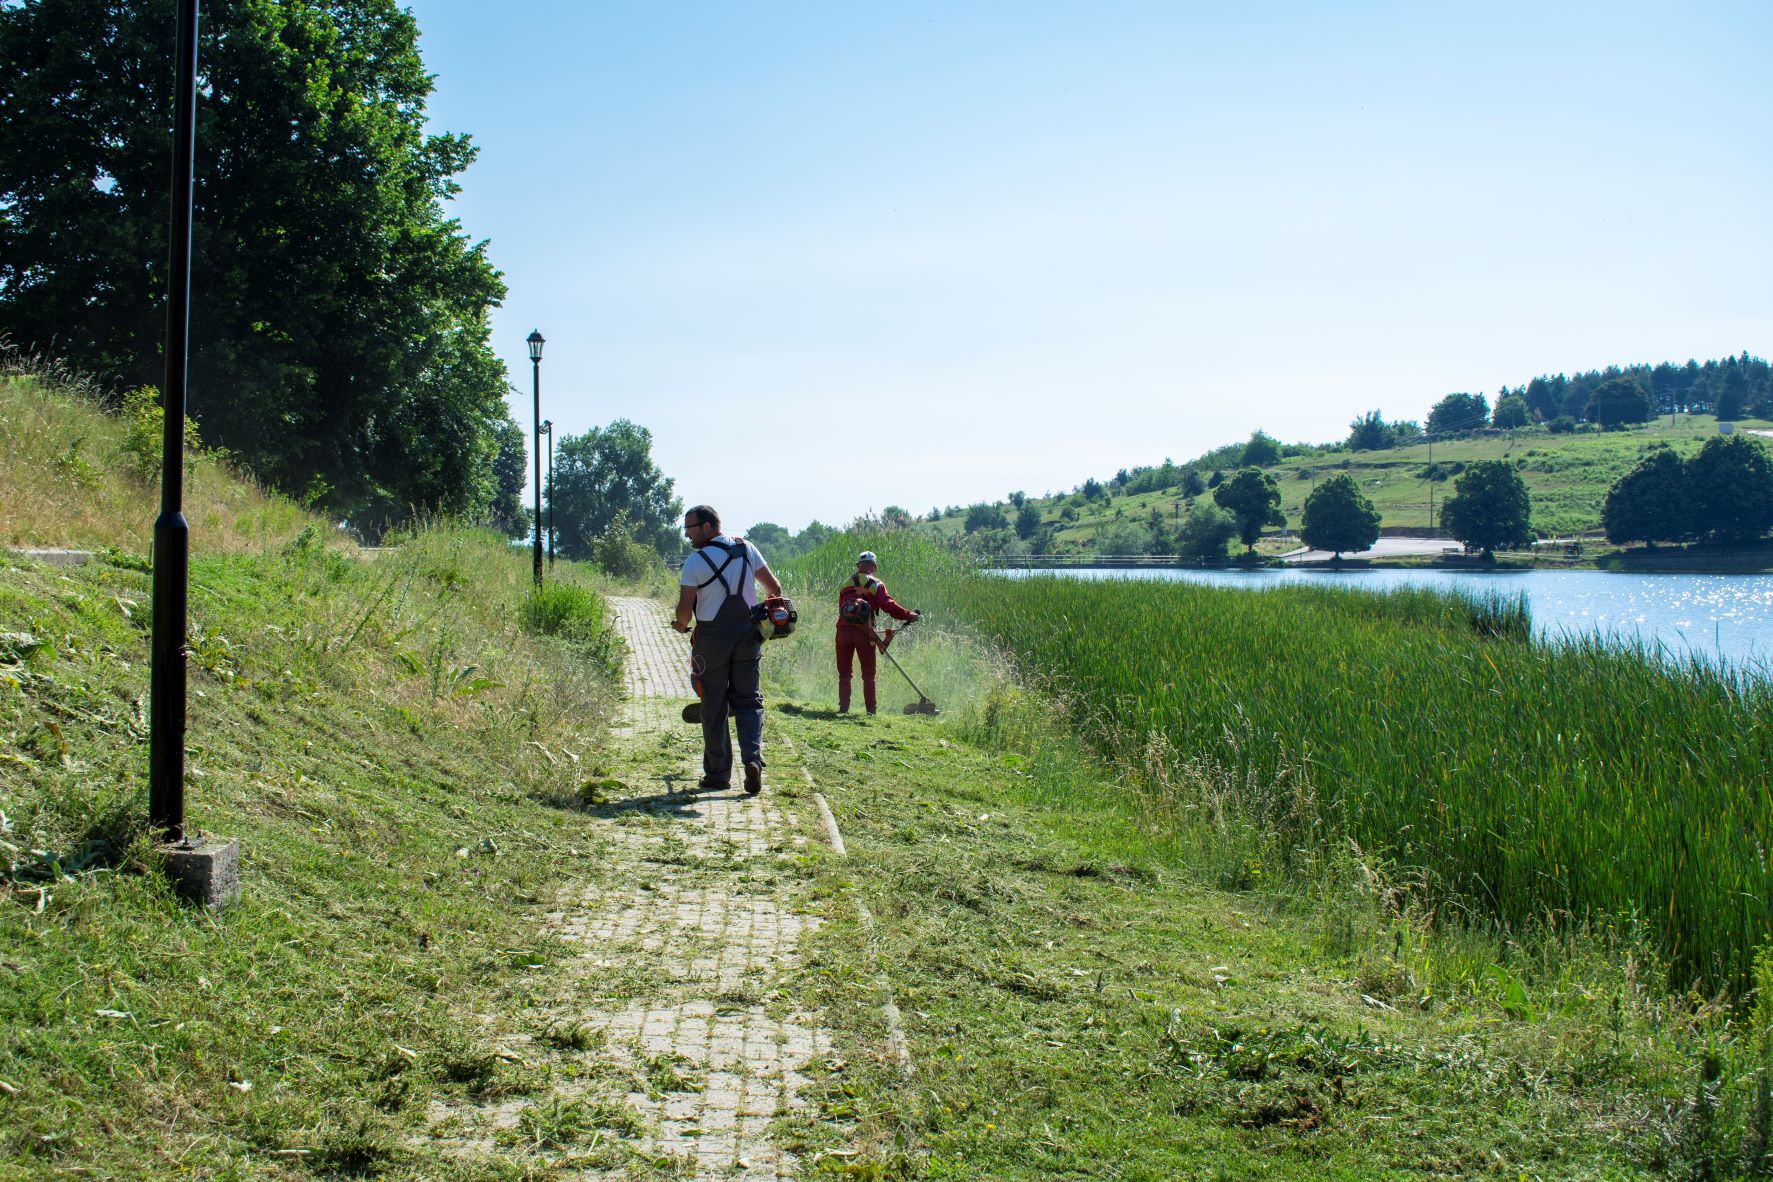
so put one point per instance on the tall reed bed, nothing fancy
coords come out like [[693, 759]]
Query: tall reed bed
[[1551, 780]]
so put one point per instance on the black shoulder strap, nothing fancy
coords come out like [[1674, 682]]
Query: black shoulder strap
[[736, 550]]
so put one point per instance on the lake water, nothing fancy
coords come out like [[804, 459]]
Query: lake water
[[1715, 617]]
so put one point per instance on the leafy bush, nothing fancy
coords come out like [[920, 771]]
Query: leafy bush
[[1207, 532], [618, 554], [573, 614], [145, 425]]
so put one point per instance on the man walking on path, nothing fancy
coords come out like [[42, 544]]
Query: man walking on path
[[862, 599], [717, 592]]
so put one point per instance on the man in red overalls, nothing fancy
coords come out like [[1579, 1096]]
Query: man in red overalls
[[859, 603]]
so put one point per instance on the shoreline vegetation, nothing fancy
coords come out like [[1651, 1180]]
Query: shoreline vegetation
[[1577, 553], [1431, 729], [1487, 786]]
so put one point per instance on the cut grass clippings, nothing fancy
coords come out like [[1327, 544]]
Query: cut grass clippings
[[1080, 1005], [399, 761]]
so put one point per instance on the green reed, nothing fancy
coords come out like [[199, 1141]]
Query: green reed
[[1554, 780]]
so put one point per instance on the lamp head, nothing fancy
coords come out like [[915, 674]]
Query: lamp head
[[535, 345]]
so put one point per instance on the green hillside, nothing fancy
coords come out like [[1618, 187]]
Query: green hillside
[[1567, 475]]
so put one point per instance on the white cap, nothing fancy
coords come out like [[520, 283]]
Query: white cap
[[866, 556]]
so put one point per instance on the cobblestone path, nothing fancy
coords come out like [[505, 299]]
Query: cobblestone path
[[706, 913], [671, 1042]]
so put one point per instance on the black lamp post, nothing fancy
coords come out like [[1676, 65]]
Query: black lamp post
[[535, 359], [172, 534], [548, 430]]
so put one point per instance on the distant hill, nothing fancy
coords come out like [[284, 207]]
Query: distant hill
[[1568, 464]]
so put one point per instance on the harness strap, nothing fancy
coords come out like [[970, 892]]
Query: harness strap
[[735, 550]]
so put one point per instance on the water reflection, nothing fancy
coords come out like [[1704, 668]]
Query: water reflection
[[1717, 618]]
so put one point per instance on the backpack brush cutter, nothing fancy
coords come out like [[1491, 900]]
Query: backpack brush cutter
[[923, 705]]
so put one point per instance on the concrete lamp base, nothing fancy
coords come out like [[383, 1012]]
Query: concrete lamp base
[[205, 870]]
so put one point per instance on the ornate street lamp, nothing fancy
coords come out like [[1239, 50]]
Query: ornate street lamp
[[535, 359]]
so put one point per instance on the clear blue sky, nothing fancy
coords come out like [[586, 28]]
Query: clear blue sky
[[843, 256]]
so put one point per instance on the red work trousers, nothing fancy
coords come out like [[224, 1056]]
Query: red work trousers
[[854, 640]]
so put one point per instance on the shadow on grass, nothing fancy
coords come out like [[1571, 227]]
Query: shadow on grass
[[821, 713], [108, 843], [673, 801]]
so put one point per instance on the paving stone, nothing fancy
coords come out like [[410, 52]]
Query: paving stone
[[730, 945]]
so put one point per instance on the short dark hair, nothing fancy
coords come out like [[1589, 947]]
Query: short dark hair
[[702, 515]]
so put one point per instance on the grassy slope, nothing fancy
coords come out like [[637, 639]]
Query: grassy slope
[[401, 828], [71, 480], [1566, 475]]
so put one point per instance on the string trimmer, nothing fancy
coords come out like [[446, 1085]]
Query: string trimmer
[[923, 705]]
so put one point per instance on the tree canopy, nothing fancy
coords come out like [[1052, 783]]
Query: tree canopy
[[609, 473], [1650, 503], [1619, 399], [339, 318], [984, 515], [1254, 498], [1369, 433], [1206, 532], [1489, 508], [1262, 451], [1730, 483], [1338, 516], [1458, 412], [507, 513], [1511, 411]]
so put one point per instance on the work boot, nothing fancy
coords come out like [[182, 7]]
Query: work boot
[[753, 779], [711, 783]]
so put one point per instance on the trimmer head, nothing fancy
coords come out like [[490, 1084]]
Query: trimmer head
[[693, 713], [921, 706]]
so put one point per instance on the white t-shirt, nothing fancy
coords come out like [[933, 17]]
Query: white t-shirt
[[739, 578]]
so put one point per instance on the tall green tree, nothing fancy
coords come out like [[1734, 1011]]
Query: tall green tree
[[772, 540], [1254, 498], [1262, 451], [984, 515], [1732, 395], [339, 318], [1545, 397], [1369, 433], [1618, 400], [1458, 412], [1650, 503], [1511, 411], [507, 512], [1489, 508], [1338, 516], [1730, 483], [1206, 532], [609, 473]]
